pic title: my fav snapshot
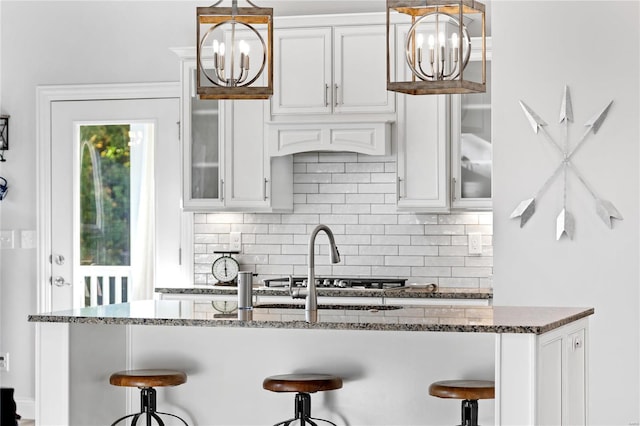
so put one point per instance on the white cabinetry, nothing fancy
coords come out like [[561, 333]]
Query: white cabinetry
[[471, 147], [423, 136], [437, 135], [562, 377], [330, 86], [226, 164], [550, 372], [330, 70]]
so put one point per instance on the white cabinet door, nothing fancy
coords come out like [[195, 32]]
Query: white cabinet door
[[360, 70], [423, 136], [562, 376], [325, 70], [246, 173], [302, 71], [422, 152]]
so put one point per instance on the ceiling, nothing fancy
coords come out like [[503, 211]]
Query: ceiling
[[313, 7]]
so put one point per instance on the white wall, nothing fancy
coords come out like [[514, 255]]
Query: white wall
[[592, 47]]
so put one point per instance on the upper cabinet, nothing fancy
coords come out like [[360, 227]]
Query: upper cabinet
[[330, 70], [226, 163], [471, 147], [330, 87], [444, 146]]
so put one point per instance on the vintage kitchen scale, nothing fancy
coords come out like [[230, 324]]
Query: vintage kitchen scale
[[225, 268]]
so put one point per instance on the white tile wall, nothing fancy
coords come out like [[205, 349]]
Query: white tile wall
[[355, 196]]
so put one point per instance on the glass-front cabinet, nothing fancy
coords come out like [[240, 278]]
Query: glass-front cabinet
[[226, 163], [204, 169], [471, 148]]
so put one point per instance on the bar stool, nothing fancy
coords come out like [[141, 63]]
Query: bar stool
[[146, 380], [470, 391], [303, 385]]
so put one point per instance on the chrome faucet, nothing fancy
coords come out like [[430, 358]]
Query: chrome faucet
[[311, 303]]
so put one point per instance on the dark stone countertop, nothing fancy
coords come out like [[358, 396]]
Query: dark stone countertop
[[464, 319], [411, 292]]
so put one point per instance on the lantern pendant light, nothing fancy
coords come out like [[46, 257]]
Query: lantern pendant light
[[234, 52], [432, 56]]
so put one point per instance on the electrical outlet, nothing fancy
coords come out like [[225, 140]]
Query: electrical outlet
[[28, 239], [235, 241], [475, 243], [4, 361], [6, 239]]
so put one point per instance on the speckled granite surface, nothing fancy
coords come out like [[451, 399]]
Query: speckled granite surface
[[476, 319], [402, 292]]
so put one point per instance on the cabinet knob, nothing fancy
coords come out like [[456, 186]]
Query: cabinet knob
[[577, 343]]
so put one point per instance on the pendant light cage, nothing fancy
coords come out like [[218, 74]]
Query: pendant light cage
[[234, 49], [434, 43]]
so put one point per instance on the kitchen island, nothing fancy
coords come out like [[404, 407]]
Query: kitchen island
[[387, 355]]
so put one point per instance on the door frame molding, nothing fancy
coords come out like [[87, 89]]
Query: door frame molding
[[45, 98]]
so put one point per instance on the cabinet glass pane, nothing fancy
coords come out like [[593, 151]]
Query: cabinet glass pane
[[475, 138], [205, 164]]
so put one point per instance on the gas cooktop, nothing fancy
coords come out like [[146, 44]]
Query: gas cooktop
[[338, 282]]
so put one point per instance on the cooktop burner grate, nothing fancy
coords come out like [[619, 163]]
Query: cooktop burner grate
[[339, 282]]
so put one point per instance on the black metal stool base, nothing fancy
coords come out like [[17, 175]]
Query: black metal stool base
[[469, 412], [302, 410], [148, 409]]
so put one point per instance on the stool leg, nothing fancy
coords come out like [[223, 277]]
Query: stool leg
[[302, 412], [148, 407], [469, 412]]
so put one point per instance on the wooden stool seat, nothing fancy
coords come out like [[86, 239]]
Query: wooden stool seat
[[463, 389], [305, 383], [148, 378], [469, 391]]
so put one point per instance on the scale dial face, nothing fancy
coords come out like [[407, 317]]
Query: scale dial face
[[225, 269], [224, 306]]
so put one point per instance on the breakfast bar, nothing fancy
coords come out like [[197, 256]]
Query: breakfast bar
[[386, 354]]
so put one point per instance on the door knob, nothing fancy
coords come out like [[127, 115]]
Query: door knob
[[58, 281]]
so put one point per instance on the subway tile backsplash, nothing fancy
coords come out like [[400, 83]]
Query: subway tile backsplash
[[354, 195]]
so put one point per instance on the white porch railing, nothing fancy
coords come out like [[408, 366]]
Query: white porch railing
[[104, 285]]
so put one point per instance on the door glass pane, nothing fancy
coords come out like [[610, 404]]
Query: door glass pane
[[116, 214], [205, 164], [475, 138], [105, 188]]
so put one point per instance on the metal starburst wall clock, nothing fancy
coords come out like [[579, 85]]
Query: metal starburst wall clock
[[565, 223]]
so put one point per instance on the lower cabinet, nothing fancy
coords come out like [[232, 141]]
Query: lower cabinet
[[562, 377], [549, 372]]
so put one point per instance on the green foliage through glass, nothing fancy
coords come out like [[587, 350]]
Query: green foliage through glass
[[105, 187]]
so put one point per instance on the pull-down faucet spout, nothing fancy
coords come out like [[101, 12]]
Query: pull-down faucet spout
[[311, 303]]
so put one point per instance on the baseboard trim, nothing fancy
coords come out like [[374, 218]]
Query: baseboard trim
[[26, 408]]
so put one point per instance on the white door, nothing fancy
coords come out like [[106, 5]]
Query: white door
[[115, 200]]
